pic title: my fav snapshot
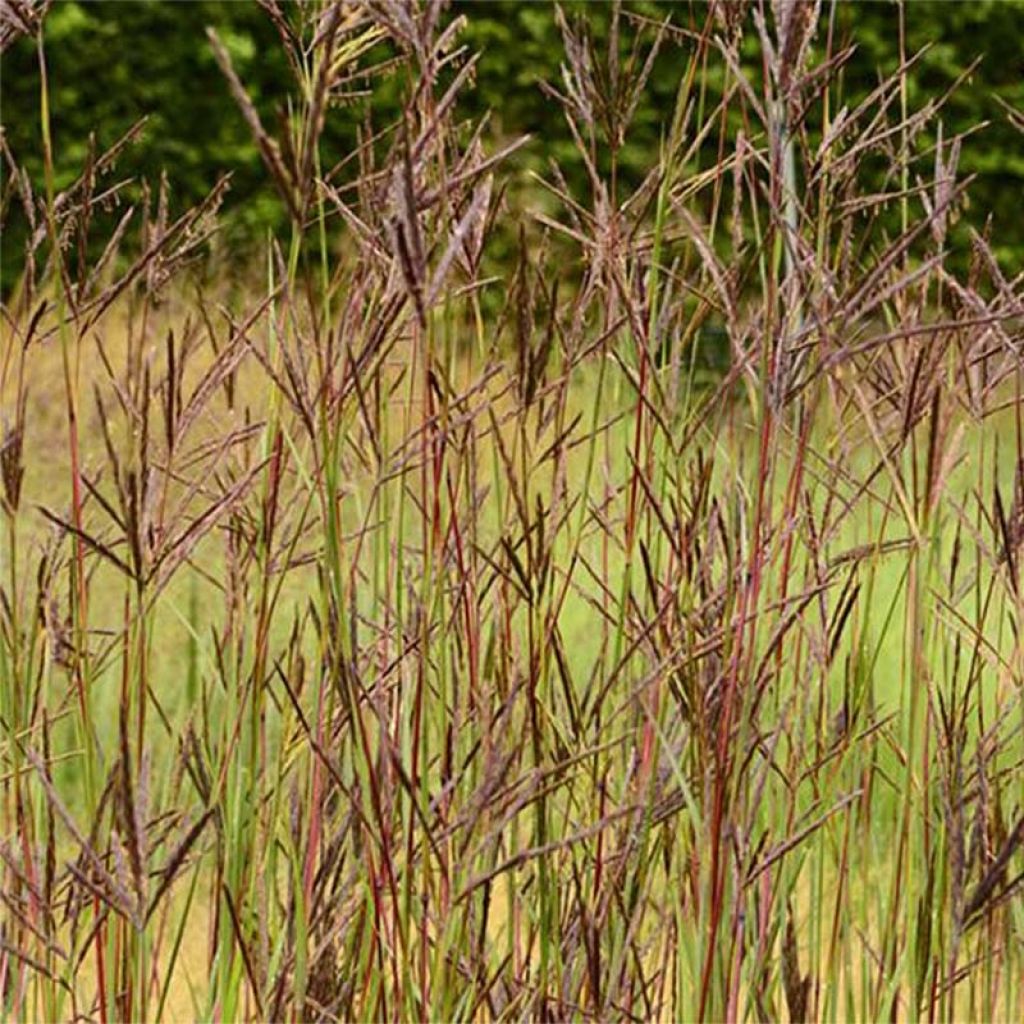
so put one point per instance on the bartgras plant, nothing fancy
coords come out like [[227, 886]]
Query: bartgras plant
[[383, 656]]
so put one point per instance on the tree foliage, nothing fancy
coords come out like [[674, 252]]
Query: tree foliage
[[110, 64]]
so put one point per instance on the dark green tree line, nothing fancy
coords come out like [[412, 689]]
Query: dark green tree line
[[110, 64]]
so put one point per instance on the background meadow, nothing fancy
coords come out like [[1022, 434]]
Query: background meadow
[[511, 512]]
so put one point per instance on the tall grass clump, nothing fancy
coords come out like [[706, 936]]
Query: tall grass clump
[[413, 634]]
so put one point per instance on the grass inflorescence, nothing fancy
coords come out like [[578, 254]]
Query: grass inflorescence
[[413, 635]]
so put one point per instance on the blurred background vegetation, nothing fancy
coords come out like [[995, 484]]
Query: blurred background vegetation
[[113, 63]]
